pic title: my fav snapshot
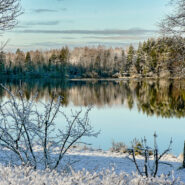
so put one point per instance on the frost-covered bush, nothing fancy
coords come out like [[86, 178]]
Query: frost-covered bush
[[152, 157], [31, 134], [118, 147], [28, 176], [137, 145]]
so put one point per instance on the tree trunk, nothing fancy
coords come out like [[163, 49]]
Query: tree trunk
[[184, 156]]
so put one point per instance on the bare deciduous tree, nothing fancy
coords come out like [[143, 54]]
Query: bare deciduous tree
[[9, 11], [31, 134], [175, 22]]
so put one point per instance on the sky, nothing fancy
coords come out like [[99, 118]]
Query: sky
[[48, 24]]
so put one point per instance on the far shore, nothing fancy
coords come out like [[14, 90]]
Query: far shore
[[88, 79], [123, 78]]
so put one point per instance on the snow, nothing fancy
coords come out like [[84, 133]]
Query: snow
[[98, 160], [91, 167], [27, 176]]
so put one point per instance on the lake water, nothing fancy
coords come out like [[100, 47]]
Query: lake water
[[122, 109]]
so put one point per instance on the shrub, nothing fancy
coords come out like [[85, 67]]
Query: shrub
[[118, 147], [24, 128], [28, 176], [148, 169]]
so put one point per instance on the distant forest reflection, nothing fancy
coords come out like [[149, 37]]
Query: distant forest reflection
[[159, 98]]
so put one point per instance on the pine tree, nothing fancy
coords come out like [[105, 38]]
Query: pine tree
[[130, 59], [19, 61], [2, 62], [28, 62], [63, 60]]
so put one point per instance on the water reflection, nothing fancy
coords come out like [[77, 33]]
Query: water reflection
[[159, 98]]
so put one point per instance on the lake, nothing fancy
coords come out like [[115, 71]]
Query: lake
[[122, 109]]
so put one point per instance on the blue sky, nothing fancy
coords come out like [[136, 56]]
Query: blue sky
[[49, 24]]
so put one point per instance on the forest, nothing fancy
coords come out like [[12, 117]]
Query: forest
[[155, 58]]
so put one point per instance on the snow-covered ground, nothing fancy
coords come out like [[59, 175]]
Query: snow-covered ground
[[98, 160], [94, 167], [27, 176]]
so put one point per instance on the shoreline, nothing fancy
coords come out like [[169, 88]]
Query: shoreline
[[97, 162], [89, 79]]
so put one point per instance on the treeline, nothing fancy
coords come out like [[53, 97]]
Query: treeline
[[34, 63], [156, 58]]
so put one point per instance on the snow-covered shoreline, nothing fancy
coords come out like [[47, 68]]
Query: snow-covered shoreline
[[98, 160], [94, 167]]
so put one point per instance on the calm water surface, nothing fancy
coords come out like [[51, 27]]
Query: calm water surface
[[122, 110]]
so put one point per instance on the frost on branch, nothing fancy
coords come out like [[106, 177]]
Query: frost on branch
[[152, 157], [31, 134], [28, 176]]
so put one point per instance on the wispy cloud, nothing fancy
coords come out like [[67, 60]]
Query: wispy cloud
[[63, 9], [77, 44], [46, 10], [92, 32], [21, 26], [112, 44], [46, 44], [134, 37], [43, 23], [68, 38], [43, 10]]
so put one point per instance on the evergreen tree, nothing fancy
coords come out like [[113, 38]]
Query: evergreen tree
[[2, 62], [130, 59], [19, 61], [63, 60], [28, 62]]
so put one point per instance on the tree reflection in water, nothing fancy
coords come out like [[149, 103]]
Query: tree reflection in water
[[164, 98]]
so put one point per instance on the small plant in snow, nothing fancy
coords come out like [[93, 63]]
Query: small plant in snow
[[118, 147], [24, 128], [138, 146], [151, 162]]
